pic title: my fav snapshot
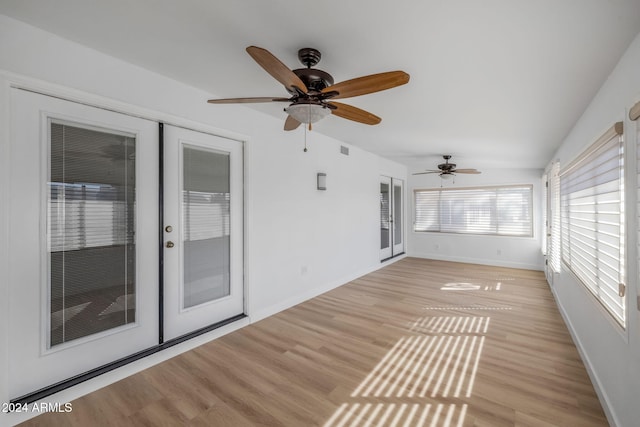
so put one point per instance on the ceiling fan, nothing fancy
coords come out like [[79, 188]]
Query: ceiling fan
[[312, 90], [448, 170]]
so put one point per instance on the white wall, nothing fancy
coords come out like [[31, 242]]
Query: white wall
[[299, 241], [516, 252], [611, 354], [305, 241]]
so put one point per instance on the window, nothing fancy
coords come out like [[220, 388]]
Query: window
[[545, 223], [592, 199], [554, 220], [504, 211]]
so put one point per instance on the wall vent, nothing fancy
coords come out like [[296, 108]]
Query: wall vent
[[344, 150]]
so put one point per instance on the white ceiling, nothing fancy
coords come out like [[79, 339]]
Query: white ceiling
[[496, 83]]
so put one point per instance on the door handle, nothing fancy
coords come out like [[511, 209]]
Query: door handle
[[170, 244]]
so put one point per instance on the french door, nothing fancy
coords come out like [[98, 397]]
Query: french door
[[203, 230], [391, 217], [85, 280]]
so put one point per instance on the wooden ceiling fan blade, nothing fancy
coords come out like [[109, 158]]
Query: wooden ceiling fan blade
[[356, 114], [367, 84], [276, 68], [291, 123], [424, 173], [247, 100], [473, 171]]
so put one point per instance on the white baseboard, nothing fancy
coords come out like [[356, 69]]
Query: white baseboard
[[492, 262]]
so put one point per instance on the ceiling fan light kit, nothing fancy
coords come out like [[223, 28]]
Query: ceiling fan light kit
[[447, 176], [308, 112], [312, 89]]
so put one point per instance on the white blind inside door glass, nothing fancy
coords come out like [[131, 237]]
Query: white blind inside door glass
[[554, 220], [593, 222], [385, 205], [90, 231], [206, 224], [481, 210], [397, 214]]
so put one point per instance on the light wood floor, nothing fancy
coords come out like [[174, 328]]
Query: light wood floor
[[418, 343]]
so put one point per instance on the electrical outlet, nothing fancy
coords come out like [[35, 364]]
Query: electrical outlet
[[499, 251], [303, 270], [436, 247]]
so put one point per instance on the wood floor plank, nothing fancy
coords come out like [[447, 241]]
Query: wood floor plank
[[417, 343]]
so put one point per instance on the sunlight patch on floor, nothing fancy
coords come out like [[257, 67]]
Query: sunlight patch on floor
[[470, 286], [438, 360], [398, 415], [450, 324], [425, 365]]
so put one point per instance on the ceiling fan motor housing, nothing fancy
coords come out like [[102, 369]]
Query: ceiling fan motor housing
[[314, 79], [446, 166]]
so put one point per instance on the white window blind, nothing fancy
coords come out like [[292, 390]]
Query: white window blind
[[504, 210], [592, 199], [634, 115], [554, 220], [543, 241]]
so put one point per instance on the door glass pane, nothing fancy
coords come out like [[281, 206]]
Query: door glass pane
[[384, 215], [397, 214], [205, 225], [90, 230]]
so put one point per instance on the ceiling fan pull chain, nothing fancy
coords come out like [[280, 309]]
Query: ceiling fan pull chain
[[305, 139], [305, 130]]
